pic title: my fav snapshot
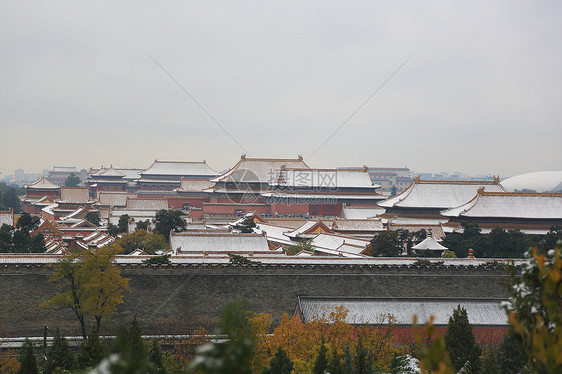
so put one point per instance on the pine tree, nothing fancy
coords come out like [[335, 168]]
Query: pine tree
[[348, 361], [321, 362], [136, 346], [489, 364], [512, 356], [460, 342], [59, 356], [466, 368], [279, 364], [335, 364], [28, 362], [155, 356], [362, 360], [92, 351]]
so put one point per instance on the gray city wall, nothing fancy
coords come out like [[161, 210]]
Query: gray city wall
[[166, 297]]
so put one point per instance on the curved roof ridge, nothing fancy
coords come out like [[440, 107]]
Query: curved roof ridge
[[522, 194], [43, 183]]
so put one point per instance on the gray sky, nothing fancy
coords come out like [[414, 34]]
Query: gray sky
[[481, 94]]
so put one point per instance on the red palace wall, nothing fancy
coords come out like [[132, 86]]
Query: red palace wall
[[40, 193], [231, 209], [482, 335], [290, 208], [179, 202]]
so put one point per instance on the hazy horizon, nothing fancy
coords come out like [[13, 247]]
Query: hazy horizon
[[89, 84]]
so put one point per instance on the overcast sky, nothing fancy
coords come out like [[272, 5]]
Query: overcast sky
[[481, 93]]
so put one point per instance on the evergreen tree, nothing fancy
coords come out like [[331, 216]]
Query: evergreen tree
[[404, 365], [155, 356], [27, 360], [168, 220], [92, 351], [28, 223], [347, 364], [6, 234], [123, 224], [386, 244], [362, 360], [247, 225], [279, 364], [112, 229], [466, 368], [321, 362], [460, 342], [232, 356], [512, 357], [93, 218], [72, 180], [143, 225], [37, 244], [136, 346], [59, 356], [9, 199], [335, 364], [489, 364]]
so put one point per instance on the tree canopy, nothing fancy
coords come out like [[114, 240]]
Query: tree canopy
[[460, 342], [72, 180], [535, 308], [19, 241], [9, 198], [90, 284], [144, 240], [167, 220]]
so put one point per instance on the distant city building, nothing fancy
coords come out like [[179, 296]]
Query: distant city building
[[19, 174], [388, 178], [59, 174]]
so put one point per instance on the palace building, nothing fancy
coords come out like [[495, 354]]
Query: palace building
[[163, 177], [531, 213]]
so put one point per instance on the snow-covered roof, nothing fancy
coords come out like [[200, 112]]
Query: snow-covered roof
[[259, 170], [78, 195], [194, 185], [146, 204], [111, 172], [369, 311], [129, 174], [510, 205], [540, 181], [64, 169], [7, 217], [329, 195], [354, 212], [368, 225], [112, 199], [78, 213], [49, 209], [137, 215], [429, 244], [43, 184], [414, 221], [179, 169], [210, 241], [324, 178], [439, 194], [275, 233], [310, 227], [339, 243]]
